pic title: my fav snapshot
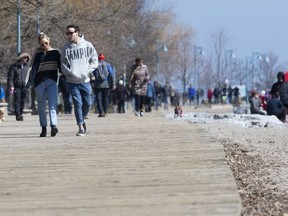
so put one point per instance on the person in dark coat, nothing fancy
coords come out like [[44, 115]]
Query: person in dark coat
[[150, 97], [16, 81], [281, 86], [102, 87], [122, 95], [66, 95], [276, 107], [280, 80]]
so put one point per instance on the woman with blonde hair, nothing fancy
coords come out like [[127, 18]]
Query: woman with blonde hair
[[44, 75]]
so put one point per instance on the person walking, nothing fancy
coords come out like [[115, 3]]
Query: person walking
[[65, 93], [150, 97], [199, 96], [79, 59], [191, 94], [43, 76], [138, 82], [172, 93], [16, 81], [104, 81], [158, 89], [165, 94], [121, 96]]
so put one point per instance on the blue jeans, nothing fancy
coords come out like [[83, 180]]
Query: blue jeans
[[47, 90], [81, 95]]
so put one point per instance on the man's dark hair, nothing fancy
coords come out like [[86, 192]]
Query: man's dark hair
[[138, 60], [275, 94], [281, 75], [77, 29]]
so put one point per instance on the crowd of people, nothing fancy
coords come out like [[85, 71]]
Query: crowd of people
[[68, 80], [274, 103]]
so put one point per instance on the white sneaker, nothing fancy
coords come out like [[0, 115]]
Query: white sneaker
[[141, 114], [137, 114], [80, 133]]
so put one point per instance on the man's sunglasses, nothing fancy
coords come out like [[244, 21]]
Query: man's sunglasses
[[70, 33]]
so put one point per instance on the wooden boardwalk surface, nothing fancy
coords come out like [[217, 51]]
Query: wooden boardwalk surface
[[124, 166]]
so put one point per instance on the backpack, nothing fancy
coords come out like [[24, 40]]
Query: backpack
[[2, 93], [101, 72]]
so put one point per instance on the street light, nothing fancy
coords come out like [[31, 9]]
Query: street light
[[256, 56], [197, 51], [160, 47], [18, 27], [129, 43], [228, 56]]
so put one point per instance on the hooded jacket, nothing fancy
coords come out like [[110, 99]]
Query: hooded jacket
[[281, 86], [18, 72], [280, 80], [79, 61]]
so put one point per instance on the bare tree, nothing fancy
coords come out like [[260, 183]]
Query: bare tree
[[219, 41], [110, 25], [180, 59], [268, 71]]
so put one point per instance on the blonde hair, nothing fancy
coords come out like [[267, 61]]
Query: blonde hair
[[41, 35]]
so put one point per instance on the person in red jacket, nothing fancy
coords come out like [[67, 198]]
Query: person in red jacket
[[209, 95]]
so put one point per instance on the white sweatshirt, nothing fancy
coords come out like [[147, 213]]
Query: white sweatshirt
[[79, 61]]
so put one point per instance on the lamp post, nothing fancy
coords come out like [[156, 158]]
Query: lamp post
[[38, 17], [197, 51], [130, 43], [18, 27], [228, 56], [160, 47], [256, 56]]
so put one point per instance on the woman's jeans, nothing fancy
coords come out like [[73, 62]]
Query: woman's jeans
[[47, 90], [82, 99]]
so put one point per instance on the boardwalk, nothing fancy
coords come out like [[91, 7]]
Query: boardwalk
[[124, 166]]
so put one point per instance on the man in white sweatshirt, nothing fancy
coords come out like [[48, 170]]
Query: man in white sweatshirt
[[79, 59]]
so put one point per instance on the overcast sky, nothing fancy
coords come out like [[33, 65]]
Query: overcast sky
[[251, 25]]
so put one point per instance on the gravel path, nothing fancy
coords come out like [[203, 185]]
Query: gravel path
[[257, 153]]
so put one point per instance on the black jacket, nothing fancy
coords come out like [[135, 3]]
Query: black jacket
[[283, 93], [17, 75], [275, 107]]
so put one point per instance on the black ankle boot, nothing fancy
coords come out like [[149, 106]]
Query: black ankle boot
[[54, 130], [43, 132]]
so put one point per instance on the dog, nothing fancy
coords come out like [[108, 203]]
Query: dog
[[60, 109], [178, 112]]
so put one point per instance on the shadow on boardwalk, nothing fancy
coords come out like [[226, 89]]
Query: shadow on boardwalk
[[125, 165]]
